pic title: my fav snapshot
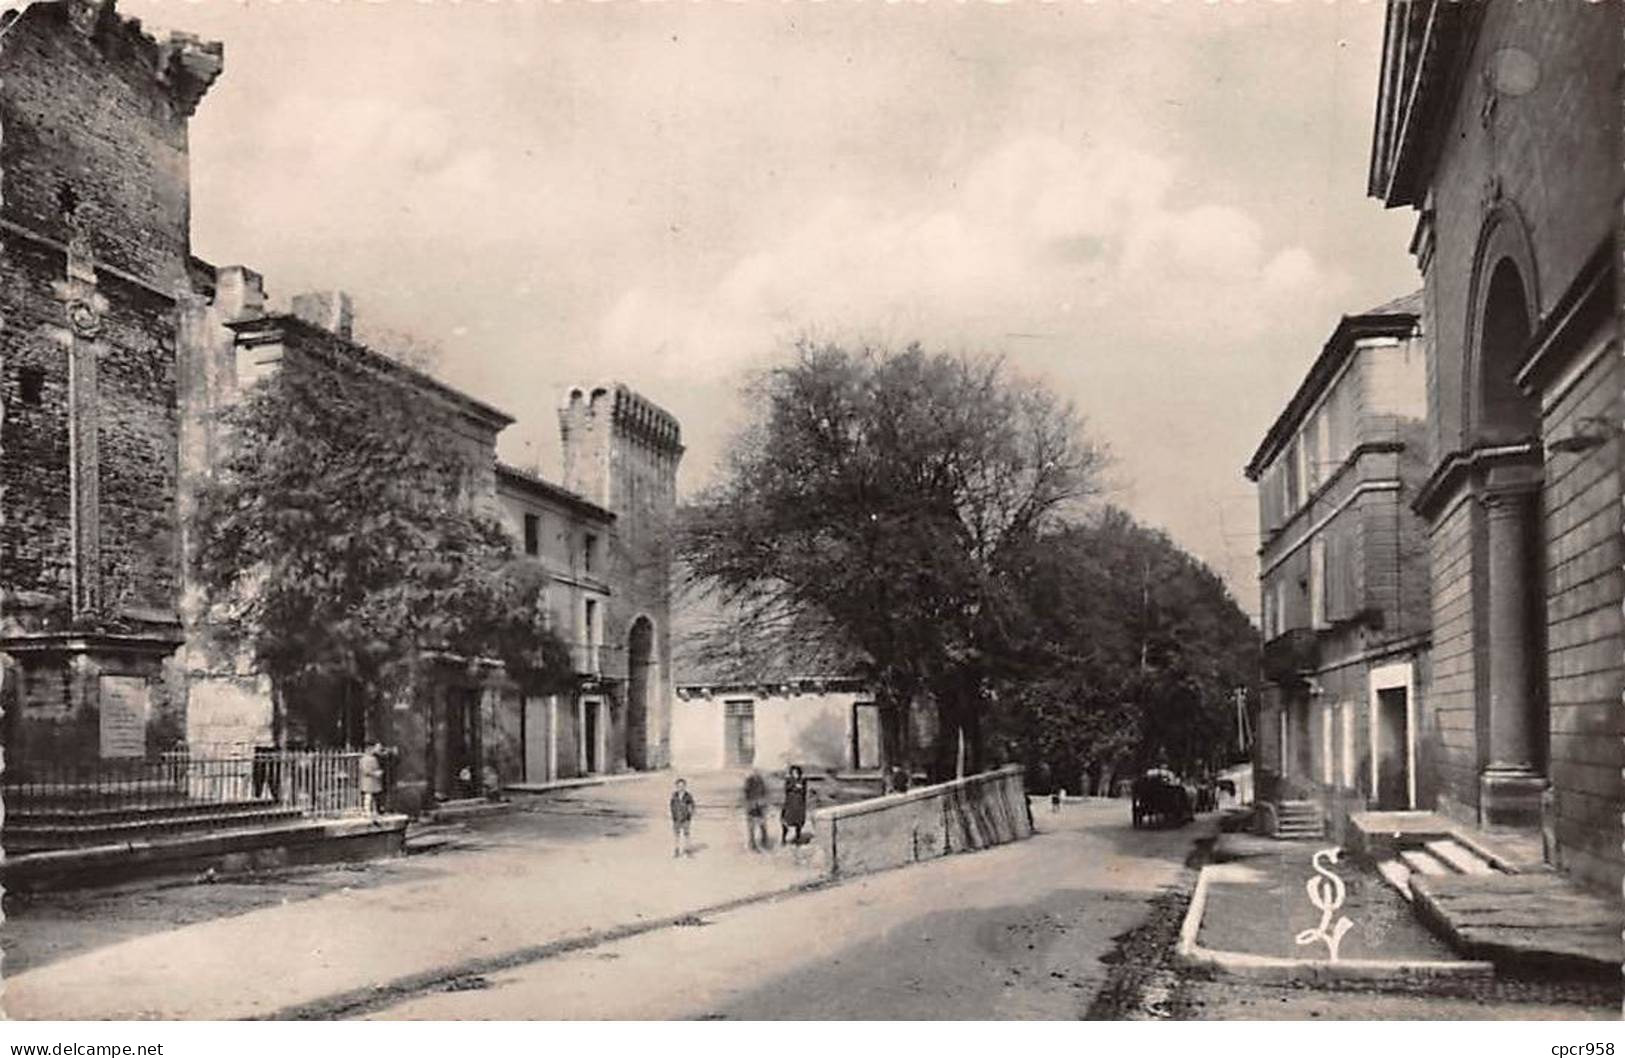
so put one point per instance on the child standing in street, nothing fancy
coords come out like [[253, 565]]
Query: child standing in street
[[682, 814]]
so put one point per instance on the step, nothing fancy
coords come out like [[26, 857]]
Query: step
[[36, 837], [1396, 874], [1463, 859], [63, 814], [1422, 862]]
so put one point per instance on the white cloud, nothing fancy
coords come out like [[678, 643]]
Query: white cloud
[[1040, 235]]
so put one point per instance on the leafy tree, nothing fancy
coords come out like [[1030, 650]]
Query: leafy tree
[[338, 541], [1134, 649], [875, 504]]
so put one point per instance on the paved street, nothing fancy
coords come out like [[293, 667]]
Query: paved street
[[1014, 932], [572, 907], [564, 869]]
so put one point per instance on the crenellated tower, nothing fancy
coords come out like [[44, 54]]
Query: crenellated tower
[[621, 452]]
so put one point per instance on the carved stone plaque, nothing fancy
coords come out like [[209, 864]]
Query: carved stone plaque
[[125, 703]]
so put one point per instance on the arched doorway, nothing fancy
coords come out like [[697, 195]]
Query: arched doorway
[[1504, 427], [639, 655], [1501, 412]]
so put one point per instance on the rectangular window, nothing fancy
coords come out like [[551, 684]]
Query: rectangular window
[[1348, 743], [1290, 467], [1317, 582], [589, 549], [1326, 743], [590, 634], [533, 535]]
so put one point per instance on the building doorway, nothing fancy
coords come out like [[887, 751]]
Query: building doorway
[[592, 732], [1393, 733], [639, 657], [458, 773], [739, 733], [865, 735], [1393, 738], [537, 734]]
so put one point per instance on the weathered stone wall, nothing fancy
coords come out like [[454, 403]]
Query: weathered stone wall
[[94, 247], [1584, 633], [36, 533], [1548, 155], [1448, 746], [93, 105], [975, 812]]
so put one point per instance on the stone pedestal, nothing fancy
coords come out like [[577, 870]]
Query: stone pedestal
[[1510, 797]]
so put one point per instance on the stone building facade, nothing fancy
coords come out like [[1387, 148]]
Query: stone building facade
[[822, 724], [118, 350], [1343, 574], [1498, 123], [94, 260]]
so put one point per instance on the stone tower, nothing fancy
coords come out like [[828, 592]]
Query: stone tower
[[621, 452], [95, 259]]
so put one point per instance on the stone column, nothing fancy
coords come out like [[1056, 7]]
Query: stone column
[[83, 306], [1511, 784]]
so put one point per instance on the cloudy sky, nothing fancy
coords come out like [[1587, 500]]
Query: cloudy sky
[[1157, 208]]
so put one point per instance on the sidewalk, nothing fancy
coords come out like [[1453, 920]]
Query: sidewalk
[[530, 893], [1258, 904]]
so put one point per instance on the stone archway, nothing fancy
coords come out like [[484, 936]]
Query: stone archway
[[639, 672], [1504, 428]]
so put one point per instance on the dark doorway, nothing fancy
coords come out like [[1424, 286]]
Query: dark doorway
[[589, 736], [639, 655], [739, 733], [865, 735], [1393, 753], [463, 741]]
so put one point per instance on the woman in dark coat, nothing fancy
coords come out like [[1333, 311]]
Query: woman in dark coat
[[794, 812]]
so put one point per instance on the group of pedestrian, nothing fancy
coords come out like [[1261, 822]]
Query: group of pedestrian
[[792, 812]]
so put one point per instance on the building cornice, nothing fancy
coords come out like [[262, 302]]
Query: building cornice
[[276, 327], [1458, 468], [795, 685], [536, 485], [1350, 331]]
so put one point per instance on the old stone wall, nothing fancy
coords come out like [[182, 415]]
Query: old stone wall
[[1448, 748], [1548, 156], [975, 812], [1585, 666], [95, 114]]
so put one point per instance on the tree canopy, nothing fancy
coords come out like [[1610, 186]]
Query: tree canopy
[[338, 540], [1134, 655], [876, 503], [931, 518]]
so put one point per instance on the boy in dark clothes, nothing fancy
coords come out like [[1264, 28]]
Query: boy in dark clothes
[[682, 814]]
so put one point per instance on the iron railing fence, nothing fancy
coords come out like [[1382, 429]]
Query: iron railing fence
[[319, 782]]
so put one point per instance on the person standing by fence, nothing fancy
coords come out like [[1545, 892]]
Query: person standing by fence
[[372, 777]]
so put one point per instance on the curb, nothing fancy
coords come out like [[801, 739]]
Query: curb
[[1280, 970]]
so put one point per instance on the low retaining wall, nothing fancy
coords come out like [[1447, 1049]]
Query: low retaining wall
[[230, 852], [975, 812]]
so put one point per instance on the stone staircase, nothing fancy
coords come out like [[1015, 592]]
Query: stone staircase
[[1435, 858], [51, 827], [1298, 819]]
